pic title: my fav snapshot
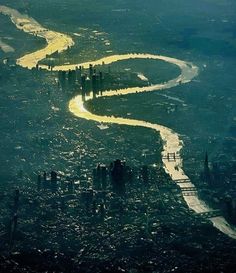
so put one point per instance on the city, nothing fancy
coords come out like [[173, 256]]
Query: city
[[113, 159]]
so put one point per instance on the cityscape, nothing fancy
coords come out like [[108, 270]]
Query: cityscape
[[118, 136]]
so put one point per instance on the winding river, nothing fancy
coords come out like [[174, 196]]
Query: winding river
[[172, 143]]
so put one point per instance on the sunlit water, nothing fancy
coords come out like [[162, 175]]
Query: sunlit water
[[172, 144]]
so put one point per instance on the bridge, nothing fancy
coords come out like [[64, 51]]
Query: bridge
[[171, 157], [189, 193], [188, 189], [187, 180], [210, 214]]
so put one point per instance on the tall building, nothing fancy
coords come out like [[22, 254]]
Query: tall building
[[90, 71], [118, 176], [207, 176]]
